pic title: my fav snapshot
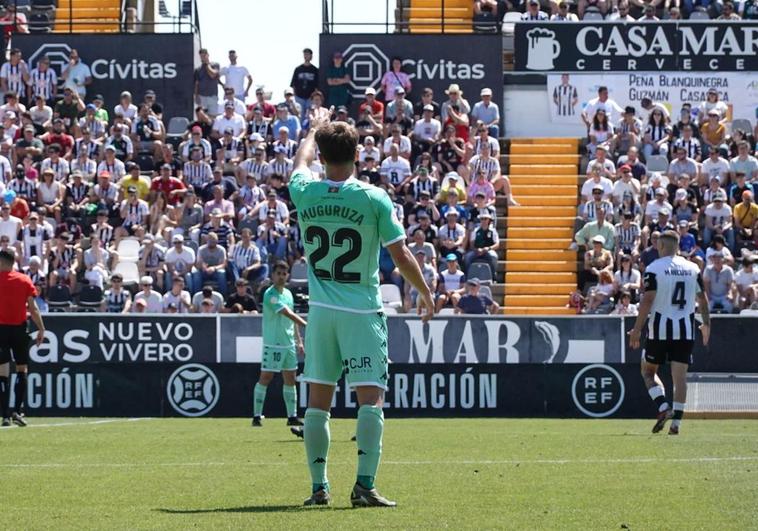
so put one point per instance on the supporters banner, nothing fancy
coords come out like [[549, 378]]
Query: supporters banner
[[568, 94], [225, 390], [126, 61], [113, 339], [471, 61], [642, 47]]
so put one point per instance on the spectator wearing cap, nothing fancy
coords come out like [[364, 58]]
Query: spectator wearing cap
[[229, 119], [217, 225], [744, 163], [272, 205], [177, 299], [395, 169], [241, 298], [718, 279], [76, 196], [533, 12], [653, 207], [425, 132], [369, 149], [718, 220], [135, 179], [179, 261], [342, 115], [746, 220], [245, 259], [450, 286], [372, 105], [632, 158], [473, 302], [746, 282], [105, 195], [206, 78], [597, 258], [305, 79], [712, 101], [211, 264], [484, 242], [117, 299], [29, 145], [452, 235], [91, 123], [397, 103], [151, 300], [487, 112], [134, 211], [452, 181], [685, 208], [285, 119], [395, 79], [713, 133], [430, 278], [293, 107], [123, 148], [338, 80]]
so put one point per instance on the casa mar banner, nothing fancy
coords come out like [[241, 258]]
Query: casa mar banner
[[568, 94], [643, 47]]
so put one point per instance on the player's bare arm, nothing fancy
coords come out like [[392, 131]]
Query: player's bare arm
[[37, 319], [408, 267], [705, 328], [644, 310], [306, 153]]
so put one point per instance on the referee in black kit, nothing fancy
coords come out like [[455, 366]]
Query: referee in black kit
[[18, 294]]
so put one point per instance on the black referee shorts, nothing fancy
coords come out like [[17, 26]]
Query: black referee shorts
[[659, 351], [15, 341]]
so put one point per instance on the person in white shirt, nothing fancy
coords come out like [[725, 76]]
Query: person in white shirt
[[533, 12], [712, 102], [229, 119], [398, 139], [76, 75], [426, 131], [746, 280], [235, 76], [368, 149], [152, 299], [718, 220], [177, 296], [649, 14], [125, 107], [622, 15], [715, 166], [653, 208], [395, 169], [612, 109], [563, 14]]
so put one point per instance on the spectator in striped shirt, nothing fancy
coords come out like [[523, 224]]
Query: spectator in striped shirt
[[220, 227], [43, 82], [627, 237], [257, 167], [245, 260], [14, 74], [689, 143], [77, 196]]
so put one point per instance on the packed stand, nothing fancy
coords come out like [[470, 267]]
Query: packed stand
[[693, 171], [490, 14], [104, 203]]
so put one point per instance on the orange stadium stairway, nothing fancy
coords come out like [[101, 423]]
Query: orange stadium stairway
[[98, 16], [540, 270], [426, 16]]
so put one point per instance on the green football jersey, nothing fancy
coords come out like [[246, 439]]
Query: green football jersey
[[278, 330], [343, 225]]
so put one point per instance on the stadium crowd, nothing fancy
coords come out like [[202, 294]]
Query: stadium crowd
[[648, 171], [107, 203]]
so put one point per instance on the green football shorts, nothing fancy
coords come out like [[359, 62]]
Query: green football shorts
[[353, 343], [278, 359]]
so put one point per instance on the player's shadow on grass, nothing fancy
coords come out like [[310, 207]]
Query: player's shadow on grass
[[248, 509]]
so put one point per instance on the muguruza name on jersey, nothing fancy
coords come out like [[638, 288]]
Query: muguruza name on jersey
[[333, 211]]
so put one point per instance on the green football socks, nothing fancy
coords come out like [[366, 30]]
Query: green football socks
[[259, 397], [369, 439], [290, 399], [316, 435]]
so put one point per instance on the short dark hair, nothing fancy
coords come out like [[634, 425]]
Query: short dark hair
[[337, 142], [7, 257], [281, 264], [602, 88]]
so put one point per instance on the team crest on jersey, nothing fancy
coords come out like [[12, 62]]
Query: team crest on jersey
[[274, 300], [334, 189]]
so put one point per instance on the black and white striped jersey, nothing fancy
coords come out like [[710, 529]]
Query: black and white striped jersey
[[627, 236], [43, 83], [564, 97], [676, 282], [116, 300]]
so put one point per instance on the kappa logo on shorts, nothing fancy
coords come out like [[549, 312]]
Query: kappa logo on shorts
[[193, 390], [598, 390]]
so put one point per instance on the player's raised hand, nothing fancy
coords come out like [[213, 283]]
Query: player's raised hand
[[425, 306], [319, 120]]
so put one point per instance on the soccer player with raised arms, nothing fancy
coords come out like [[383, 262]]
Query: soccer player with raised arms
[[280, 339], [344, 221], [672, 286]]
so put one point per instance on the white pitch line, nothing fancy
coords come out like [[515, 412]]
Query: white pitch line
[[85, 423], [631, 460]]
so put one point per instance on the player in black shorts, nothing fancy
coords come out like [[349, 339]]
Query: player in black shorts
[[672, 286], [18, 295]]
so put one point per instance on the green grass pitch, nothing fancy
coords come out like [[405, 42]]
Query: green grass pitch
[[445, 474]]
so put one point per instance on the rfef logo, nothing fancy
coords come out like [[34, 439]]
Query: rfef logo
[[598, 390], [193, 390]]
